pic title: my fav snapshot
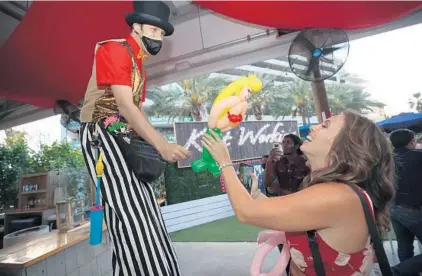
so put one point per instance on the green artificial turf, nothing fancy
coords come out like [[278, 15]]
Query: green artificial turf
[[223, 230]]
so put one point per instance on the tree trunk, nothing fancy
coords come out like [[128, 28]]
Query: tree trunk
[[258, 113], [303, 119], [303, 114], [308, 120], [196, 113]]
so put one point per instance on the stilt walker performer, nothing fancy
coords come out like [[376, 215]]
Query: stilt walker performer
[[133, 152]]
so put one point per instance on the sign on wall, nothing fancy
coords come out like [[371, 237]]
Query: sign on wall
[[250, 140]]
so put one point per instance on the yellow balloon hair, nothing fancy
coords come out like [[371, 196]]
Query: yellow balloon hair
[[236, 86]]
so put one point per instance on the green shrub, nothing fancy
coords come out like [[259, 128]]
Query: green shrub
[[184, 184]]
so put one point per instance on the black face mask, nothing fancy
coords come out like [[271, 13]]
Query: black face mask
[[263, 165], [153, 46]]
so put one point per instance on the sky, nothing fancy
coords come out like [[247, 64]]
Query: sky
[[38, 133], [390, 62]]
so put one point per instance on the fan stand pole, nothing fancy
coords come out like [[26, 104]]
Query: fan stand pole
[[321, 100]]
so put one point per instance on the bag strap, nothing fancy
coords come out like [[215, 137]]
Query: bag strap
[[373, 232], [375, 238], [316, 256]]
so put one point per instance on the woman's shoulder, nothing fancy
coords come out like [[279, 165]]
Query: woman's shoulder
[[338, 186], [336, 199], [337, 191]]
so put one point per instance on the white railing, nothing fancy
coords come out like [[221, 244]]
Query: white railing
[[188, 214]]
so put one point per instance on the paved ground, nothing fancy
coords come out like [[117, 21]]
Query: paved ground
[[234, 259], [219, 259]]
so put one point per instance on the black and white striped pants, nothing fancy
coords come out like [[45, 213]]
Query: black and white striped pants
[[141, 244]]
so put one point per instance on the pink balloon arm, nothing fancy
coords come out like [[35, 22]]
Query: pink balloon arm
[[267, 241]]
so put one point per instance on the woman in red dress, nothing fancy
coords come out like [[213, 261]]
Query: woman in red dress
[[345, 150]]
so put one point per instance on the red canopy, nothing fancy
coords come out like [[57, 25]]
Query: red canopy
[[49, 56], [298, 15]]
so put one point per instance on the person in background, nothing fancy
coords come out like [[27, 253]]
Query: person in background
[[286, 167], [344, 151], [418, 143], [261, 185], [406, 215]]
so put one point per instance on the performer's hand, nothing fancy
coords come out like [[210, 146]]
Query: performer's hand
[[216, 147], [174, 153]]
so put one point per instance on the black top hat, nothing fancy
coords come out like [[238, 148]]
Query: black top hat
[[154, 13]]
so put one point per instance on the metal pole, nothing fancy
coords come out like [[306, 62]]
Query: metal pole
[[317, 103], [320, 97]]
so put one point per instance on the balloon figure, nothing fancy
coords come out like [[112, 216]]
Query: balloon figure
[[227, 112], [267, 241]]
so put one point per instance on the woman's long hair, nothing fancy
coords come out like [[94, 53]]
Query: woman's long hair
[[361, 155]]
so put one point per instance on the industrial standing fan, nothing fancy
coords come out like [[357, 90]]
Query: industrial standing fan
[[318, 54]]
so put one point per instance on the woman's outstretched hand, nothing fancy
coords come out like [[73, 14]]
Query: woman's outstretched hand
[[216, 147]]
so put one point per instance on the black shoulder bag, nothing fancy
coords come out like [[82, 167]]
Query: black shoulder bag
[[375, 239], [141, 157]]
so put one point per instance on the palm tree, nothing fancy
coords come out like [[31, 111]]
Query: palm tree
[[186, 98], [273, 99], [343, 96], [300, 93], [281, 102], [163, 98], [257, 104]]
